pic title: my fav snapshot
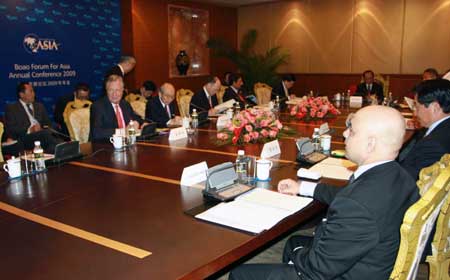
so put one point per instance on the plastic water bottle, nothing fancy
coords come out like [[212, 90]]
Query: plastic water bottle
[[131, 133], [276, 107], [241, 167], [316, 139], [38, 153], [237, 108], [194, 119]]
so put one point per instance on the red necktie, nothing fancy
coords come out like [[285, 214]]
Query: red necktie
[[119, 117]]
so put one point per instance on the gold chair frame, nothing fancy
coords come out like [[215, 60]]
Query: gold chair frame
[[184, 97]]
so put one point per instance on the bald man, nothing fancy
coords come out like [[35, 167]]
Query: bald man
[[162, 109], [360, 236]]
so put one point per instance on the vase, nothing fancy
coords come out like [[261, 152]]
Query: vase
[[182, 62]]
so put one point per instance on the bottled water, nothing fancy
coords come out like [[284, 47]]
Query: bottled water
[[194, 119], [241, 167], [131, 133], [316, 139], [38, 153]]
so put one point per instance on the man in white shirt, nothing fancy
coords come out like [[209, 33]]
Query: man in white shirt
[[359, 238]]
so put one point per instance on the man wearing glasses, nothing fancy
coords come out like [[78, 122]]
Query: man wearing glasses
[[162, 109]]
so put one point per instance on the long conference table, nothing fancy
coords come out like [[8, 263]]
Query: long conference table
[[121, 215]]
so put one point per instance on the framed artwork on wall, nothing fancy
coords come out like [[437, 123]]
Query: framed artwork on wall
[[188, 34]]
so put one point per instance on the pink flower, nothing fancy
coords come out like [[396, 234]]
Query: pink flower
[[264, 133], [222, 136], [320, 114], [255, 135], [278, 124], [249, 128], [247, 138], [264, 123], [273, 133]]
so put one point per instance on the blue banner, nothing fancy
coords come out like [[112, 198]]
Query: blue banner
[[56, 44]]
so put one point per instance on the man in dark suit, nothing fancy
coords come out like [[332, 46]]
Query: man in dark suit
[[27, 119], [161, 109], [236, 92], [81, 92], [206, 99], [125, 65], [360, 236], [111, 112], [432, 110], [369, 88], [283, 89]]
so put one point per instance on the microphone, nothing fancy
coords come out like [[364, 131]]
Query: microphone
[[58, 133], [198, 107]]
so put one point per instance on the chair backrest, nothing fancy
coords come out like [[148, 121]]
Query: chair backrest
[[439, 261], [138, 107], [135, 97], [76, 116], [384, 82], [220, 94], [263, 93], [419, 221], [1, 134], [184, 97]]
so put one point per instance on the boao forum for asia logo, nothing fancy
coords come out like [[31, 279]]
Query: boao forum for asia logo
[[33, 44]]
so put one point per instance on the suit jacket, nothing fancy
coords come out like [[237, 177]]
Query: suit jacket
[[103, 118], [155, 111], [278, 90], [360, 236], [422, 151], [377, 89], [115, 70], [238, 97], [17, 122], [201, 103]]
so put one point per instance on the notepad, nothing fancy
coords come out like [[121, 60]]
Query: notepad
[[255, 211], [335, 168]]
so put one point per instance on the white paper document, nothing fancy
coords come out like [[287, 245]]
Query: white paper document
[[255, 211], [225, 105], [271, 149], [334, 168]]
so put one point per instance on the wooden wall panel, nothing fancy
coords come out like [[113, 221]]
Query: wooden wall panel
[[349, 36], [149, 40]]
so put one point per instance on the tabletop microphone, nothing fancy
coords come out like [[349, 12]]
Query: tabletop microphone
[[198, 107], [58, 133]]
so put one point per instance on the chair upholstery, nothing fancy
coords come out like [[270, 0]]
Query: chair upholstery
[[263, 93], [138, 107], [220, 94], [1, 134], [76, 116], [135, 97], [384, 82], [419, 220], [439, 261], [184, 97]]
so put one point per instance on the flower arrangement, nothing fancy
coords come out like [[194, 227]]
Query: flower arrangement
[[250, 126], [310, 108]]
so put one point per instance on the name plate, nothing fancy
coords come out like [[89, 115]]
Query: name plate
[[222, 121], [324, 128], [194, 174], [356, 101], [271, 149], [177, 134]]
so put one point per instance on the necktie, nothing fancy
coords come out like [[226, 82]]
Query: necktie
[[119, 117], [30, 109], [168, 111], [209, 100], [351, 179], [369, 87]]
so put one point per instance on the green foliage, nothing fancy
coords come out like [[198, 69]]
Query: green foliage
[[253, 66]]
